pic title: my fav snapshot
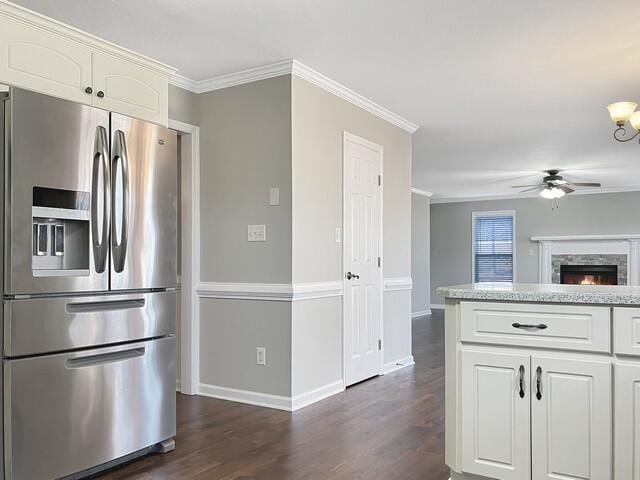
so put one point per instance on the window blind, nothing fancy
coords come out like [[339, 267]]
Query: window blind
[[493, 248]]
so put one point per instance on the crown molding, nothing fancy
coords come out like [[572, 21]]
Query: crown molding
[[424, 193], [292, 67], [513, 196], [339, 90]]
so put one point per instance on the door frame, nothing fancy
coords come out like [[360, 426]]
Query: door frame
[[189, 336], [346, 136]]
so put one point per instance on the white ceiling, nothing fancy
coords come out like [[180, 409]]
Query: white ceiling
[[501, 89]]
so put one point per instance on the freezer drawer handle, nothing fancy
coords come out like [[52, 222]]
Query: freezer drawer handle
[[105, 306], [102, 358]]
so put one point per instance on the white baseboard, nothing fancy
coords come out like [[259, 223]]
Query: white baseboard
[[245, 396], [305, 399], [421, 313], [398, 364], [436, 306], [278, 402]]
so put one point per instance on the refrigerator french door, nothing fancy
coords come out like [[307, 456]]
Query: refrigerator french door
[[89, 282], [109, 185]]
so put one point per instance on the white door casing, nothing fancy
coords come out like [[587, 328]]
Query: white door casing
[[362, 246], [496, 415], [571, 420]]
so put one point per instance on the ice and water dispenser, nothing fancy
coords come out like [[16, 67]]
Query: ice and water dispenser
[[61, 226]]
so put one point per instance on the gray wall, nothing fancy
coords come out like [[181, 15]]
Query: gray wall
[[420, 254], [183, 106], [245, 148], [612, 213]]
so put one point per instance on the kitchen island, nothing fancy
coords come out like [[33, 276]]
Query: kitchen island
[[542, 382]]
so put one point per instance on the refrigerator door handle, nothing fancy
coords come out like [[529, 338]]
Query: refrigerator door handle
[[100, 237], [120, 200]]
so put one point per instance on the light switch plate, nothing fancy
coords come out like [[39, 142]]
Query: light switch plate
[[257, 233], [274, 196]]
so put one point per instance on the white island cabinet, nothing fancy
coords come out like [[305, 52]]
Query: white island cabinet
[[542, 382], [46, 56]]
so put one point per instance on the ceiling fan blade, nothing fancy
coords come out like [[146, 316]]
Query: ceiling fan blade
[[527, 186], [537, 187], [565, 189], [585, 184]]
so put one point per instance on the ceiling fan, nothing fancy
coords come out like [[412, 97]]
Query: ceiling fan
[[554, 186]]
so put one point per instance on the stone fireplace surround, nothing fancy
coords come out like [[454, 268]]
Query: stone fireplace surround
[[624, 249]]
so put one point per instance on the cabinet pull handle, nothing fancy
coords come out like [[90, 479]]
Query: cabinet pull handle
[[88, 90], [540, 326], [100, 94], [539, 383], [521, 381]]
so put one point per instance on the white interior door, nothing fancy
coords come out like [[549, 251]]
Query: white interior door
[[570, 419], [495, 415], [362, 248]]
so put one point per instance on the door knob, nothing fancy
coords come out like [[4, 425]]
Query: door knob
[[352, 275]]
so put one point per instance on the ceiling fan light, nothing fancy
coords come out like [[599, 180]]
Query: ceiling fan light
[[620, 112], [548, 193], [634, 120], [551, 193]]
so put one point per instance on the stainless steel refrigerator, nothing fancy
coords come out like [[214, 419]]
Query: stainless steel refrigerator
[[89, 286]]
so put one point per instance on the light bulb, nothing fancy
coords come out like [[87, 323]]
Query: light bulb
[[621, 111]]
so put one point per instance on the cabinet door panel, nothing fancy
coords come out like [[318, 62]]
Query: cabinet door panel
[[38, 60], [495, 418], [571, 419], [129, 88], [627, 422]]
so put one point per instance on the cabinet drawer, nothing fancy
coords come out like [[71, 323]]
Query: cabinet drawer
[[566, 327], [626, 330]]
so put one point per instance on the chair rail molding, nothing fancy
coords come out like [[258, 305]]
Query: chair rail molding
[[279, 292], [395, 284]]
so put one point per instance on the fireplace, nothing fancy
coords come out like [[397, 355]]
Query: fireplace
[[589, 274]]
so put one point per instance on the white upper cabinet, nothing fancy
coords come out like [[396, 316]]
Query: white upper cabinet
[[40, 54], [128, 88], [42, 61]]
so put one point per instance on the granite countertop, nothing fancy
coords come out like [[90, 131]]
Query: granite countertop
[[546, 293]]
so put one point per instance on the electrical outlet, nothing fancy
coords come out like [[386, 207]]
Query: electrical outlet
[[338, 235], [531, 252], [261, 356]]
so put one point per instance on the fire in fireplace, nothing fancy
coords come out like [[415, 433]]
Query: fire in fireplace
[[589, 274]]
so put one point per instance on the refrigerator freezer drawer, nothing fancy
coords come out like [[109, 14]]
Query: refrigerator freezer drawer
[[68, 412], [54, 324]]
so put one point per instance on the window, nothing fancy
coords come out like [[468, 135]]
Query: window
[[493, 248]]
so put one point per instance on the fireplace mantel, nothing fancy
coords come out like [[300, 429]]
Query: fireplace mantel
[[628, 244]]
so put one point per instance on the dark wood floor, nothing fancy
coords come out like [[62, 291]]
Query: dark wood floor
[[390, 427]]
